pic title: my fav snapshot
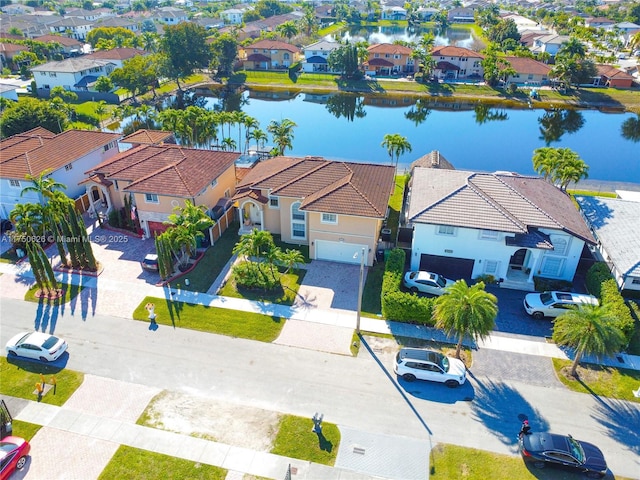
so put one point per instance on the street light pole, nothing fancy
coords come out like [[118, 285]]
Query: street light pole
[[360, 287]]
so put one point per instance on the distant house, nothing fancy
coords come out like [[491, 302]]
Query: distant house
[[269, 54], [523, 23], [171, 15], [158, 178], [256, 28], [232, 16], [337, 208], [316, 55], [73, 27], [70, 46], [426, 13], [118, 22], [615, 223], [610, 76], [8, 91], [467, 224], [457, 62], [598, 22], [68, 155], [389, 59], [8, 51], [461, 15], [117, 56], [393, 13], [73, 74], [550, 43], [529, 72]]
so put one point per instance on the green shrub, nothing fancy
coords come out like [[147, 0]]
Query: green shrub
[[114, 218], [256, 275], [551, 284], [596, 276], [611, 298]]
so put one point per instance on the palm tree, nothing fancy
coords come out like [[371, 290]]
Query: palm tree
[[396, 145], [571, 168], [466, 311], [545, 161], [288, 29], [590, 330], [282, 133], [43, 185], [228, 144], [28, 219], [631, 129], [254, 244], [291, 258], [260, 136], [250, 123]]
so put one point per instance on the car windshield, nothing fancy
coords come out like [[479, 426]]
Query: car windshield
[[576, 449], [546, 298], [23, 339], [441, 281], [50, 342]]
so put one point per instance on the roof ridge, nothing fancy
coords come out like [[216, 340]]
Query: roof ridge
[[494, 203], [299, 160], [173, 164], [363, 195]]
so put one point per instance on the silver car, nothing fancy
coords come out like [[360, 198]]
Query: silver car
[[426, 282], [554, 304]]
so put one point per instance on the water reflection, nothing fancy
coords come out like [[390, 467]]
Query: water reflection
[[419, 112], [484, 113], [631, 129], [555, 123], [347, 106]]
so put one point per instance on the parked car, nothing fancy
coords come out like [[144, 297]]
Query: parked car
[[36, 345], [548, 449], [13, 455], [5, 226], [150, 262], [554, 304], [421, 364], [426, 282]]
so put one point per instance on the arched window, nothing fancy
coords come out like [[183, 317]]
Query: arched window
[[298, 222]]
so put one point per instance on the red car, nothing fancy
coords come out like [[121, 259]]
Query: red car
[[13, 455]]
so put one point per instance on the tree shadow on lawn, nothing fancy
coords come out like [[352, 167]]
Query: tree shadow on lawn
[[502, 409], [324, 444]]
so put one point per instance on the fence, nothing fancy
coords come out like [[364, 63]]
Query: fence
[[222, 224], [82, 203]]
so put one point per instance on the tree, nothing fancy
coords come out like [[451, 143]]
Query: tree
[[495, 67], [290, 258], [254, 244], [188, 224], [560, 166], [44, 185], [184, 50], [396, 145], [288, 29], [282, 133], [466, 311], [101, 110], [136, 74], [103, 84], [344, 59], [590, 330], [28, 220], [224, 50], [503, 30], [631, 128], [108, 34], [64, 95]]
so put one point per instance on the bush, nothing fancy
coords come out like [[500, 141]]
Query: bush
[[551, 284], [255, 275], [114, 218], [596, 276], [611, 298]]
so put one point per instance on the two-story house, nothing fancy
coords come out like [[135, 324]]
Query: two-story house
[[269, 54], [73, 74], [316, 56], [117, 56], [457, 62], [550, 43], [529, 72], [73, 27], [171, 15], [232, 16], [389, 59], [68, 46]]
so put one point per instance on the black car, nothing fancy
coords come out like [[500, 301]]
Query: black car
[[548, 449]]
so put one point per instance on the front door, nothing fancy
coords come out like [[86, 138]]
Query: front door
[[517, 259]]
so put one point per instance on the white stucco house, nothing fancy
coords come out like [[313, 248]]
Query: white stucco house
[[232, 16], [466, 224], [74, 74], [316, 56]]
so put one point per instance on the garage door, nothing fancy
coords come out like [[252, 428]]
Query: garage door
[[339, 251], [450, 267]]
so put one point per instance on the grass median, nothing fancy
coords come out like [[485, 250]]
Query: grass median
[[222, 321], [296, 439]]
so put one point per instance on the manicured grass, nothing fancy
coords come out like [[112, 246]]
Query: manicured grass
[[296, 439], [634, 344], [24, 430], [233, 323], [454, 462], [70, 291], [283, 296], [19, 378], [129, 462], [599, 380], [371, 303], [395, 205], [589, 193], [210, 266]]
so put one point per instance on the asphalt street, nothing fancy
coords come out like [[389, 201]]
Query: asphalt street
[[360, 392]]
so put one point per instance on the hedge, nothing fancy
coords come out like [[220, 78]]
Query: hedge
[[398, 305], [596, 276]]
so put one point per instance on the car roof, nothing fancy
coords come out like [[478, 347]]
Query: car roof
[[575, 297], [37, 338], [421, 275], [151, 256], [544, 441], [420, 354]]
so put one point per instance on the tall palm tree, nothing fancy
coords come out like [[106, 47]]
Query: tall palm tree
[[396, 145], [228, 144], [466, 311], [282, 133], [545, 161], [43, 185], [260, 136], [288, 29], [250, 123], [290, 258], [590, 330], [571, 168], [28, 219]]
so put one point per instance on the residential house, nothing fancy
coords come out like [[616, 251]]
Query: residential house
[[119, 22], [550, 43], [149, 137], [8, 91], [610, 76], [256, 28], [466, 224], [389, 59], [117, 56], [325, 14], [529, 72], [68, 155], [159, 178], [91, 15], [626, 29], [73, 74], [461, 15], [615, 223], [523, 23], [393, 13], [337, 208], [457, 63], [29, 25], [426, 13], [8, 51], [598, 22], [232, 16], [69, 46], [269, 54], [171, 15], [73, 27], [316, 56]]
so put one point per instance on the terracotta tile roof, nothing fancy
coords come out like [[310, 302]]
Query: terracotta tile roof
[[451, 51], [380, 62], [117, 54], [492, 201], [64, 41], [12, 48], [37, 150], [148, 137], [610, 71], [390, 48], [272, 45], [528, 65], [167, 169], [348, 188]]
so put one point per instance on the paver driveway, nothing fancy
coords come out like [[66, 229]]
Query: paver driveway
[[330, 285]]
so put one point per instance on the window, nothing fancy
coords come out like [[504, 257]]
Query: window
[[68, 167], [446, 230], [636, 281], [298, 222], [214, 183], [488, 235], [151, 198], [14, 183], [560, 245], [274, 202], [115, 185], [286, 56], [108, 146], [329, 218]]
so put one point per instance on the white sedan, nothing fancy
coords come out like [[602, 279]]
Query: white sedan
[[36, 345], [426, 282]]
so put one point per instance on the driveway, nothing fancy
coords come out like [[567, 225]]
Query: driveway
[[513, 319], [330, 285]]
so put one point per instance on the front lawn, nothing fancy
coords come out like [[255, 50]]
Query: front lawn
[[599, 380], [19, 378], [129, 462], [69, 292], [371, 303], [24, 430], [296, 439], [222, 321], [285, 295]]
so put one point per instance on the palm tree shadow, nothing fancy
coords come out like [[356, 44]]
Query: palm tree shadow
[[621, 418], [324, 444], [501, 408]]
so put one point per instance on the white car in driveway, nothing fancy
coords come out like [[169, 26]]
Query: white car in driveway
[[554, 304], [36, 345], [426, 282], [421, 364]]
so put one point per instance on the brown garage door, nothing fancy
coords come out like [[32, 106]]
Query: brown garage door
[[451, 267]]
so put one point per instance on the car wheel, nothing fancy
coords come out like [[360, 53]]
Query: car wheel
[[409, 377], [21, 461], [538, 315], [538, 464], [43, 359], [413, 290], [451, 383]]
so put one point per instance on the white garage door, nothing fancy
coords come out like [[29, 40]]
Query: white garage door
[[339, 251]]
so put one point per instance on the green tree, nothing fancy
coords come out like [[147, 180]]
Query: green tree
[[560, 166], [184, 50], [288, 29], [28, 220], [495, 67], [590, 330], [101, 110], [224, 50], [396, 146], [187, 225], [270, 8], [290, 258], [108, 34], [503, 30], [103, 84], [254, 244], [136, 74], [631, 128], [344, 59], [28, 113], [282, 133], [64, 95], [466, 311], [44, 185]]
